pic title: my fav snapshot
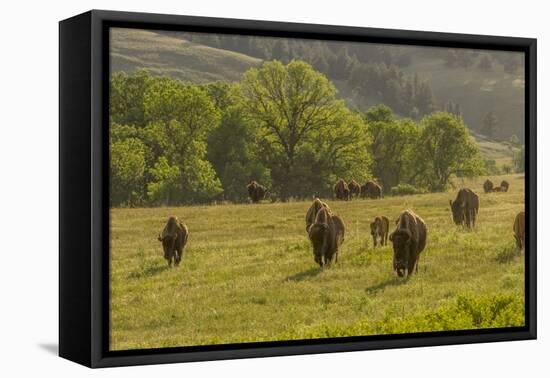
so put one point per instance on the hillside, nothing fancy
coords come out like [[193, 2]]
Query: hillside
[[476, 90], [501, 153], [175, 57]]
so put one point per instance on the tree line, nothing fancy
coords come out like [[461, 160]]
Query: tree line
[[372, 71], [174, 142]]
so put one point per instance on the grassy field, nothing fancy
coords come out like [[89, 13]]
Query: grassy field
[[178, 58], [248, 273]]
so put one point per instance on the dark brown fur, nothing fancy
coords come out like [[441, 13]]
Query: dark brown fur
[[371, 190], [504, 185], [519, 230], [465, 208], [498, 189], [379, 228], [488, 186], [313, 210], [326, 235], [354, 189], [341, 190], [174, 238], [256, 192], [409, 240]]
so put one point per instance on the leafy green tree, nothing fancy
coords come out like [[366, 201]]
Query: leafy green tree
[[126, 97], [519, 160], [179, 119], [232, 146], [392, 147], [303, 131], [490, 123], [445, 148], [127, 160], [163, 188]]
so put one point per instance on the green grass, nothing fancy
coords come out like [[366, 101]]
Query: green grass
[[248, 273], [175, 57]]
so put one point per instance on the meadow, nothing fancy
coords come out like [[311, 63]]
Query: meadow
[[248, 273]]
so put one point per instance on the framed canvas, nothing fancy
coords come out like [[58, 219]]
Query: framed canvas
[[234, 188]]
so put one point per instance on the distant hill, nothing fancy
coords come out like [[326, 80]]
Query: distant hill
[[476, 88], [175, 57], [501, 152]]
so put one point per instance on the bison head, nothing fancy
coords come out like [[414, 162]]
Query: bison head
[[401, 240], [319, 236], [457, 211], [168, 242]]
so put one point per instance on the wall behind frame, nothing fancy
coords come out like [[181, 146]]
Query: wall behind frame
[[29, 156]]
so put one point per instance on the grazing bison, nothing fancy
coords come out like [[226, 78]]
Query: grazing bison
[[341, 190], [498, 189], [408, 239], [313, 210], [256, 192], [354, 189], [173, 238], [488, 186], [504, 186], [519, 230], [465, 207], [326, 235], [379, 228], [371, 190]]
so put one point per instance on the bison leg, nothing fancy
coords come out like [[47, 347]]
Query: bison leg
[[177, 258]]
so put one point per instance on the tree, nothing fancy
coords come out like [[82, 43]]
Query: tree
[[485, 63], [490, 123], [445, 148], [232, 146], [519, 160], [127, 160], [303, 131], [392, 146], [179, 119], [126, 97]]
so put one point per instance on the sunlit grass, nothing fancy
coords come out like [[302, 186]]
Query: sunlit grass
[[248, 273]]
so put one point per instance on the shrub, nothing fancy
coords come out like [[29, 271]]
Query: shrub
[[406, 189]]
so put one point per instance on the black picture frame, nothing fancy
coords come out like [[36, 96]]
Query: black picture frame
[[83, 193]]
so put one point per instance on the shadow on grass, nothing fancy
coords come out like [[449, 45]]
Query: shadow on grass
[[305, 274], [148, 271], [394, 281], [507, 254]]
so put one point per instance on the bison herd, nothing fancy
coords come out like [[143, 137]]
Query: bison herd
[[346, 192], [326, 230], [489, 187]]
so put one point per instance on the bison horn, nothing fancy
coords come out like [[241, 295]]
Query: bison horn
[[160, 238]]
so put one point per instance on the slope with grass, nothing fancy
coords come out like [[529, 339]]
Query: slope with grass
[[177, 58], [248, 273]]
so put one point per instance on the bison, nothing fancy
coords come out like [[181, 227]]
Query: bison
[[498, 189], [465, 207], [409, 240], [371, 190], [313, 210], [354, 189], [326, 235], [341, 190], [379, 228], [256, 192], [504, 186], [519, 230], [488, 186], [173, 238]]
